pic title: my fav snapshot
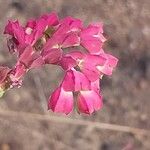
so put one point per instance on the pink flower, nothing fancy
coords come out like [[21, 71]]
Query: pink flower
[[88, 98], [47, 40], [62, 38], [52, 56], [75, 81], [75, 25], [30, 59], [61, 101], [35, 28], [70, 40], [100, 65], [110, 64], [88, 102], [66, 35], [15, 30], [53, 50], [51, 19], [92, 37], [17, 36], [67, 62], [93, 66], [31, 33]]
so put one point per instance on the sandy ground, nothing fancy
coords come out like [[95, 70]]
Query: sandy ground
[[126, 93]]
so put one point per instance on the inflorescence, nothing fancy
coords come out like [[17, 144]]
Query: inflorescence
[[76, 48]]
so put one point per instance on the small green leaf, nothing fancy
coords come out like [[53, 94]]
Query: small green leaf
[[1, 92]]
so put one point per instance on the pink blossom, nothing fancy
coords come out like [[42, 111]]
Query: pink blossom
[[47, 40], [30, 59], [66, 34], [63, 38], [92, 37], [88, 101], [75, 81], [52, 55], [31, 33], [61, 101], [35, 28], [51, 19], [109, 65], [88, 96], [93, 66], [17, 36], [75, 25], [67, 62], [15, 30]]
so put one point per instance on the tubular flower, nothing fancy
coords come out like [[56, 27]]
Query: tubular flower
[[88, 102], [92, 65], [86, 94], [92, 37], [61, 101], [32, 33], [78, 49]]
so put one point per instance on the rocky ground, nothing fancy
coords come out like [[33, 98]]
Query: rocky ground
[[126, 93]]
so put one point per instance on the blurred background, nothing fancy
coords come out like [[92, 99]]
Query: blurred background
[[126, 94]]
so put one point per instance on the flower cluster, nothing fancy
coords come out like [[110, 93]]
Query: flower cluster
[[76, 48]]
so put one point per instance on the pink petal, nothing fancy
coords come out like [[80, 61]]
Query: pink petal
[[36, 61], [61, 101], [71, 59], [68, 83], [52, 56], [88, 102], [89, 31], [95, 86], [92, 44], [71, 40], [99, 25], [67, 62], [88, 67], [16, 30], [51, 19], [92, 75], [9, 27], [105, 69], [109, 65], [75, 81], [39, 26], [30, 59], [62, 29], [92, 38], [74, 24], [81, 81], [94, 60], [76, 55], [92, 30], [31, 24], [111, 60], [25, 56]]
